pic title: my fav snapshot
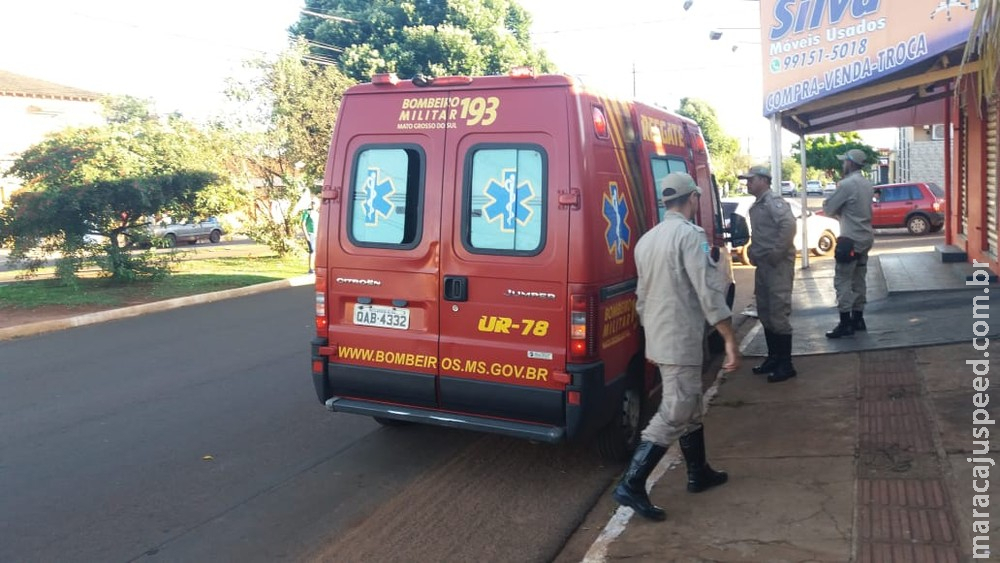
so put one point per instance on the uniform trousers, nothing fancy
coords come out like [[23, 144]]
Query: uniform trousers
[[849, 281], [680, 406], [773, 292]]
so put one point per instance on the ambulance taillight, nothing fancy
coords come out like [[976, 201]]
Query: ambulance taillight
[[322, 321], [522, 72], [389, 78], [600, 123], [451, 81], [581, 328]]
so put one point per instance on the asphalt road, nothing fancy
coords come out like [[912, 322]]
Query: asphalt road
[[194, 434]]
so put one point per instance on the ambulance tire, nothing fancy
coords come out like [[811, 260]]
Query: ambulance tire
[[743, 254], [617, 440], [391, 421]]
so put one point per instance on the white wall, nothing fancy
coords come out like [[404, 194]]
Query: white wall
[[927, 162], [27, 120]]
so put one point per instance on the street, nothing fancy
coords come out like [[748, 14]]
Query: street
[[195, 434]]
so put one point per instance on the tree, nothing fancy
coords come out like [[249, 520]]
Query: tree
[[727, 162], [822, 151], [410, 37], [791, 170], [60, 217], [107, 181], [287, 117]]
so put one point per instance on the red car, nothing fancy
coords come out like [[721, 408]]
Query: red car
[[918, 206]]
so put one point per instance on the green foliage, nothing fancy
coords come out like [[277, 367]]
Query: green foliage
[[125, 109], [727, 162], [289, 111], [791, 169], [719, 143], [822, 151], [59, 217], [727, 169], [410, 37], [191, 277]]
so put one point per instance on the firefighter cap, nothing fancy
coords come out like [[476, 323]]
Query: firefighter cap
[[759, 170], [857, 156], [678, 184]]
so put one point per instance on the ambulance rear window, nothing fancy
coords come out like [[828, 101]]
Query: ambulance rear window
[[385, 197], [662, 167], [505, 200]]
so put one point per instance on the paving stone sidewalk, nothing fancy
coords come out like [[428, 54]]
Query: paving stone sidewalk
[[860, 458]]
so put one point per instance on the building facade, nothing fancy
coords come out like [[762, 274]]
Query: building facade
[[30, 109], [920, 156], [972, 209]]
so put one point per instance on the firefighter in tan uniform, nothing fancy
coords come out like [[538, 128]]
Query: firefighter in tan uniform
[[680, 287], [851, 204], [773, 254]]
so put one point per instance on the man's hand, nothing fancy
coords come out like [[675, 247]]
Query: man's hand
[[732, 361]]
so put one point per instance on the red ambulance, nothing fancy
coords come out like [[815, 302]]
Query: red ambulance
[[474, 262]]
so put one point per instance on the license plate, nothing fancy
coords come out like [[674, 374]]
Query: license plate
[[382, 316]]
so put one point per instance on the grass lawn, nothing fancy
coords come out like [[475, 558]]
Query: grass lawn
[[190, 277]]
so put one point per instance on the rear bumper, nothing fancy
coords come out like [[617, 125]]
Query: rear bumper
[[537, 432], [521, 411]]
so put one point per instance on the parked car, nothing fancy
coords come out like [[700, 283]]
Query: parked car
[[190, 231], [814, 187], [822, 231], [918, 206], [829, 188], [787, 188]]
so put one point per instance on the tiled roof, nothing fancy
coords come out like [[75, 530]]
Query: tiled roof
[[23, 86]]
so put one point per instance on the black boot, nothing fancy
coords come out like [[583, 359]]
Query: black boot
[[701, 476], [784, 370], [631, 490], [767, 366], [858, 320], [844, 328]]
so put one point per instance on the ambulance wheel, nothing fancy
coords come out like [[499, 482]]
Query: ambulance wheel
[[616, 441], [390, 421], [743, 254], [827, 242]]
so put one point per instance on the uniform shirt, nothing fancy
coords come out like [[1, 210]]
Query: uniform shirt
[[679, 288], [852, 205], [773, 226]]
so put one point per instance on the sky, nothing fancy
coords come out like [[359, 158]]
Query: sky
[[179, 54]]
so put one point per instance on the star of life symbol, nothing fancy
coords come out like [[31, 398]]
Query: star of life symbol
[[617, 235], [508, 204], [377, 191]]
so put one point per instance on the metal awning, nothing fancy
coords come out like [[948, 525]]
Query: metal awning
[[911, 97]]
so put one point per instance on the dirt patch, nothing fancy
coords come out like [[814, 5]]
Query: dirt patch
[[15, 317]]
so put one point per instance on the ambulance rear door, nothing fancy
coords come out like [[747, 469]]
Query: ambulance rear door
[[383, 279], [504, 254]]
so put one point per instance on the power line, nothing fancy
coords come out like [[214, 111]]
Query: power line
[[145, 29], [318, 60], [327, 16], [319, 45]]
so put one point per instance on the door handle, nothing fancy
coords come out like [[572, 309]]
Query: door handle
[[456, 288]]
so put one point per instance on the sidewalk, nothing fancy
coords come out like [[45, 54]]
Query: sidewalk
[[862, 457], [914, 299]]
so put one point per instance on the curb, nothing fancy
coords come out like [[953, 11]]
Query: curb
[[618, 522], [31, 329]]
